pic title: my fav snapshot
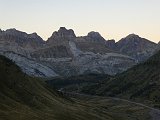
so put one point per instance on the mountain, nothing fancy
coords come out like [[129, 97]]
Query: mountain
[[81, 55], [93, 42], [95, 36], [18, 46], [139, 48], [57, 46], [140, 83], [61, 36], [27, 98], [65, 54], [18, 41]]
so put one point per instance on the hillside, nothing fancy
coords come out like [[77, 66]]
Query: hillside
[[23, 97], [140, 83], [26, 98]]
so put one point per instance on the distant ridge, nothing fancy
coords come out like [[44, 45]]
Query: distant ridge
[[65, 54]]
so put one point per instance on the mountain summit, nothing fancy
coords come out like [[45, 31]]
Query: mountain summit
[[96, 36], [136, 47], [64, 33], [61, 34]]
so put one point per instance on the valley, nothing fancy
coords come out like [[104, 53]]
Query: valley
[[140, 83], [23, 97], [78, 78], [79, 60]]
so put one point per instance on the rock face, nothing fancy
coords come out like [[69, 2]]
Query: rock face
[[65, 54], [29, 66]]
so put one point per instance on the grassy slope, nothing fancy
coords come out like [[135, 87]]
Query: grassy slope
[[141, 83], [26, 98]]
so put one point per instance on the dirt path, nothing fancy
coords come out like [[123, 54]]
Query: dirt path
[[154, 113]]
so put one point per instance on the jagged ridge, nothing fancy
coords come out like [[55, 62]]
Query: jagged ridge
[[69, 55]]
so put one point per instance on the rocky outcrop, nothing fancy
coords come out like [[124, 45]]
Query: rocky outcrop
[[58, 51]]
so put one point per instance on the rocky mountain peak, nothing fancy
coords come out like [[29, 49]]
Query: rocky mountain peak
[[11, 30], [14, 32], [62, 29], [132, 36], [95, 36], [62, 36], [20, 41], [35, 36], [136, 47], [64, 33], [111, 41], [133, 39], [111, 44]]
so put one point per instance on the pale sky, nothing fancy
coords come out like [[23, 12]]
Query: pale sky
[[113, 19]]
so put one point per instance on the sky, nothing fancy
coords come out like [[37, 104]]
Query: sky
[[113, 19]]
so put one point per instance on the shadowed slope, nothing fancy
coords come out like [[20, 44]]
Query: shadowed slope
[[141, 83], [23, 98]]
